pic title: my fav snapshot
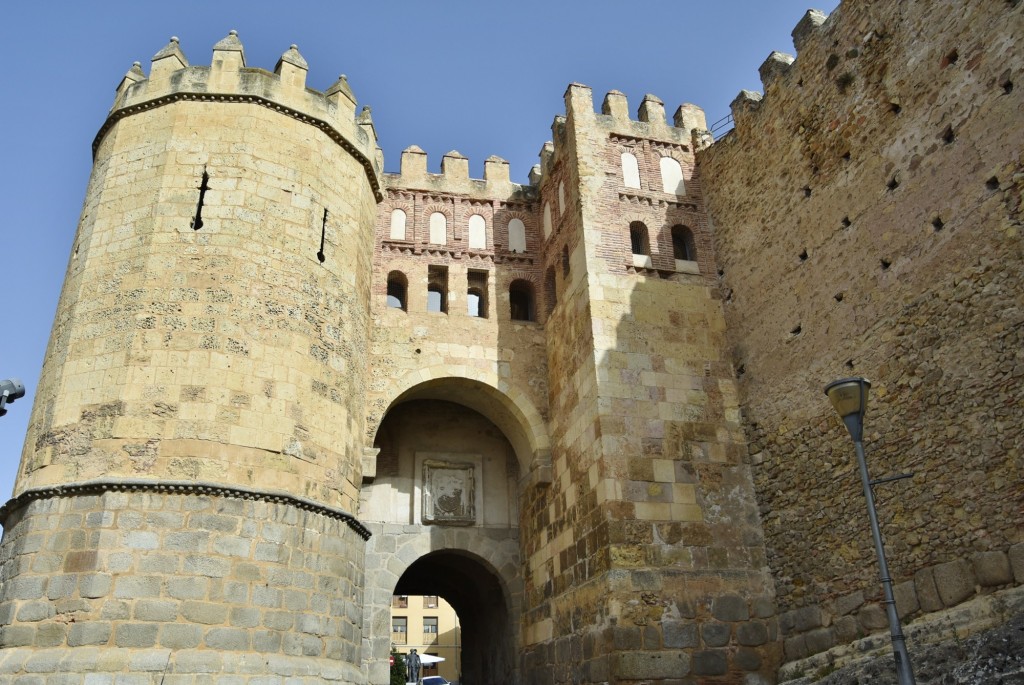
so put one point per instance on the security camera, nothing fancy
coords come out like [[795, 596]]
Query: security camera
[[10, 390]]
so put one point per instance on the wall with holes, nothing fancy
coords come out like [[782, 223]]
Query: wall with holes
[[866, 215]]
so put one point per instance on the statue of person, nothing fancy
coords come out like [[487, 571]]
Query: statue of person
[[412, 667]]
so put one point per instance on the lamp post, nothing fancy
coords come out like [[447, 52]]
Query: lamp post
[[849, 396]]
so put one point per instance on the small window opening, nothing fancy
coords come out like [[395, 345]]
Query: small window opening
[[550, 289], [683, 245], [638, 239], [476, 293], [520, 297], [438, 229], [397, 288], [437, 289], [477, 232], [630, 170], [397, 231], [516, 236]]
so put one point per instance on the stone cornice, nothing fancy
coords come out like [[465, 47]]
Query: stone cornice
[[100, 486], [171, 98]]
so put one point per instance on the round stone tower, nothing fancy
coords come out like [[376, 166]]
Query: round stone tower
[[185, 493]]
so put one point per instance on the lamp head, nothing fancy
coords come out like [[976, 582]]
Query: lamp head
[[10, 390], [849, 397]]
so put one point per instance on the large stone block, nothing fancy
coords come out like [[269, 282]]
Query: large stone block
[[954, 581], [992, 568]]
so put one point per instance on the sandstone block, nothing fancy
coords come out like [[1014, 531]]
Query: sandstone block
[[927, 592], [156, 610], [34, 611], [680, 634], [747, 659], [819, 640], [849, 603], [136, 634], [992, 568], [872, 617], [93, 633], [906, 598], [228, 638], [1016, 556], [710, 662], [94, 585], [954, 581], [847, 629], [752, 634], [730, 608], [51, 635], [715, 634], [180, 636]]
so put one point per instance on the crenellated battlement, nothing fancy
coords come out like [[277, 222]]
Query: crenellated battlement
[[779, 65], [229, 80], [454, 178], [650, 122]]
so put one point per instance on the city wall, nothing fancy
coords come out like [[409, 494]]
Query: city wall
[[866, 217]]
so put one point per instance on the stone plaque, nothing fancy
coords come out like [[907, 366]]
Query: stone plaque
[[449, 492]]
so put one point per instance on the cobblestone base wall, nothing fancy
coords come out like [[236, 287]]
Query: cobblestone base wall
[[132, 583]]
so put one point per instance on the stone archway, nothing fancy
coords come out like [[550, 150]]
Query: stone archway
[[471, 558]]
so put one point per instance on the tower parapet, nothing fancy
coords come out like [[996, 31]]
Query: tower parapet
[[228, 80]]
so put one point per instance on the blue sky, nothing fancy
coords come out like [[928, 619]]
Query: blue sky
[[483, 78]]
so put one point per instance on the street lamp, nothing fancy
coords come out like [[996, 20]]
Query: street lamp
[[849, 396]]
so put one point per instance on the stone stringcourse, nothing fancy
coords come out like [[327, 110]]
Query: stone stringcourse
[[99, 486]]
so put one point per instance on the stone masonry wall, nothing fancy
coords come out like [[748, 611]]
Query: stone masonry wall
[[228, 353], [653, 569], [866, 215], [178, 584]]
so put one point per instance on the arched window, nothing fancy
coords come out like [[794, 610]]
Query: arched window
[[550, 289], [547, 219], [516, 236], [638, 239], [397, 224], [476, 293], [561, 197], [520, 299], [630, 170], [683, 246], [438, 229], [477, 232], [397, 287], [672, 176], [437, 289]]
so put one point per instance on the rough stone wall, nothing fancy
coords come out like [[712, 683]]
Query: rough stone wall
[[653, 565], [866, 215], [162, 584], [228, 353]]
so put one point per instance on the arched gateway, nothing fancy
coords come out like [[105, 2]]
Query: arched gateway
[[443, 507]]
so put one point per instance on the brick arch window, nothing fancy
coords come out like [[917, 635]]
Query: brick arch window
[[521, 300], [398, 286], [683, 246], [398, 217], [672, 176], [630, 170], [516, 236], [638, 241], [547, 219], [438, 229], [477, 232]]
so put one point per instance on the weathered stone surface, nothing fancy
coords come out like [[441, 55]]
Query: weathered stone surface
[[954, 581], [992, 568]]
